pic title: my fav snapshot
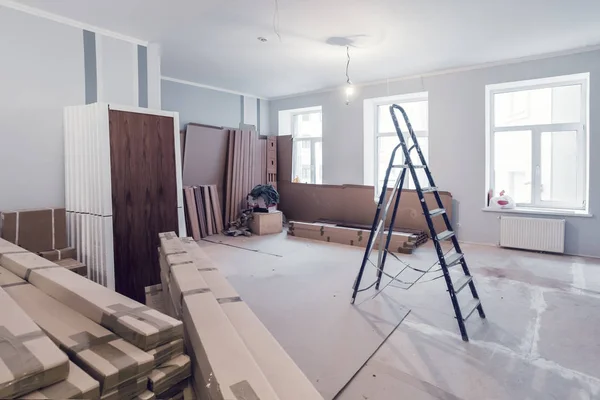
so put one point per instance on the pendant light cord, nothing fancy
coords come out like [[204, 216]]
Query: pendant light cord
[[348, 65]]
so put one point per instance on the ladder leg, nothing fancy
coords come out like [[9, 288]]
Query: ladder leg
[[390, 230]]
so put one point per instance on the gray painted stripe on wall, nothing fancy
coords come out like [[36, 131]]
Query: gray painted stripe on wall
[[90, 67], [258, 116], [143, 76], [242, 114]]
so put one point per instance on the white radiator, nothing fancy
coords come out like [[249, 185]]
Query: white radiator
[[542, 234]]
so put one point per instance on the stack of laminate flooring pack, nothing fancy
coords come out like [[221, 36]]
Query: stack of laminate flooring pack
[[203, 210], [63, 336], [233, 355]]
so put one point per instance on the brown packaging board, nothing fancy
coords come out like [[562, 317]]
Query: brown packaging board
[[73, 266], [154, 298], [145, 395], [107, 358], [128, 390], [78, 385], [9, 247], [138, 324], [266, 223], [166, 352], [36, 230], [169, 374], [225, 366], [8, 279], [181, 391], [28, 359], [286, 378], [59, 254]]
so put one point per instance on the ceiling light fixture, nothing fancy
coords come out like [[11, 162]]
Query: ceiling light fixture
[[262, 39], [349, 87]]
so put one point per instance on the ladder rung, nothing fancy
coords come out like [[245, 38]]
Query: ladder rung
[[453, 259], [444, 235], [461, 283], [469, 308], [406, 166], [437, 211], [429, 189]]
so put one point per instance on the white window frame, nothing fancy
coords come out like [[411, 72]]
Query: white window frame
[[313, 140], [536, 131], [374, 104]]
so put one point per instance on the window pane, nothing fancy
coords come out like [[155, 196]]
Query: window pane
[[319, 162], [302, 161], [417, 114], [421, 175], [558, 169], [385, 146], [308, 125], [512, 165], [560, 104]]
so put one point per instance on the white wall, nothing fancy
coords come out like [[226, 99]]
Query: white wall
[[457, 138], [42, 70]]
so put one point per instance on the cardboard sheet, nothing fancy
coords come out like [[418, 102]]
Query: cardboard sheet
[[78, 385], [144, 327], [166, 352], [28, 359], [224, 364], [73, 266], [36, 230], [286, 378], [107, 358], [169, 374], [59, 254]]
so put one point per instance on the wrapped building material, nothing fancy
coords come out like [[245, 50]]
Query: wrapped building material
[[286, 378], [223, 366], [28, 359], [8, 247], [166, 352], [169, 374], [138, 324], [145, 395], [78, 385], [128, 390], [36, 230], [107, 358]]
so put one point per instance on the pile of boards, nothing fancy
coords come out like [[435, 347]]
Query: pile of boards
[[399, 242], [63, 336], [203, 210], [44, 232], [233, 355]]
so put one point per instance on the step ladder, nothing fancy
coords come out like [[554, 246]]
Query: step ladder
[[380, 236]]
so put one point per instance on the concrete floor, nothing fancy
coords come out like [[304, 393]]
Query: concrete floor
[[541, 339]]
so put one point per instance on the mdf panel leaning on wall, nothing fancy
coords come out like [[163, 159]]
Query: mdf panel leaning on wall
[[123, 175]]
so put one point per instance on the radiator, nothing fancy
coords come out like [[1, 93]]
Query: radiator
[[541, 234]]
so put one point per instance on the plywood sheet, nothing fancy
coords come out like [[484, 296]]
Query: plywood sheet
[[144, 196], [190, 200]]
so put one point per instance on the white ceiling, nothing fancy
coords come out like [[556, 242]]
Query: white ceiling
[[214, 42]]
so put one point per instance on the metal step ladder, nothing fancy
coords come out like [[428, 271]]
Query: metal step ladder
[[379, 235]]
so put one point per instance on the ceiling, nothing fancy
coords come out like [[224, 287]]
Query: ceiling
[[214, 42]]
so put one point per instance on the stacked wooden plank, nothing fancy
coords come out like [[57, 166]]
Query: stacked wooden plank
[[125, 353], [231, 350], [272, 161], [240, 173], [420, 236], [399, 242], [203, 210]]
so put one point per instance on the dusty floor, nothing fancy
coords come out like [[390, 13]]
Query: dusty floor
[[541, 339]]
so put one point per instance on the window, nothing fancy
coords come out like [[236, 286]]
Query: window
[[386, 138], [307, 133], [537, 144]]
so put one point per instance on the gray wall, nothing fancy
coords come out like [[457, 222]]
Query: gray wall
[[457, 139], [44, 68]]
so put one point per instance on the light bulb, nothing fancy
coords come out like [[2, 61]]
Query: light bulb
[[349, 90]]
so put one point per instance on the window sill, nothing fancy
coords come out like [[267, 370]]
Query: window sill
[[540, 211]]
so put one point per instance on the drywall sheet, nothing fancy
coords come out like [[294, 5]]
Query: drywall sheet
[[205, 157], [144, 196]]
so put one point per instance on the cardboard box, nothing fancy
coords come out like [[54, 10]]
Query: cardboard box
[[73, 266], [286, 378], [36, 230], [138, 324], [7, 247], [145, 395], [28, 359], [78, 385], [106, 357], [266, 223], [128, 390], [181, 391], [59, 254], [169, 374], [155, 298], [223, 366], [166, 352]]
